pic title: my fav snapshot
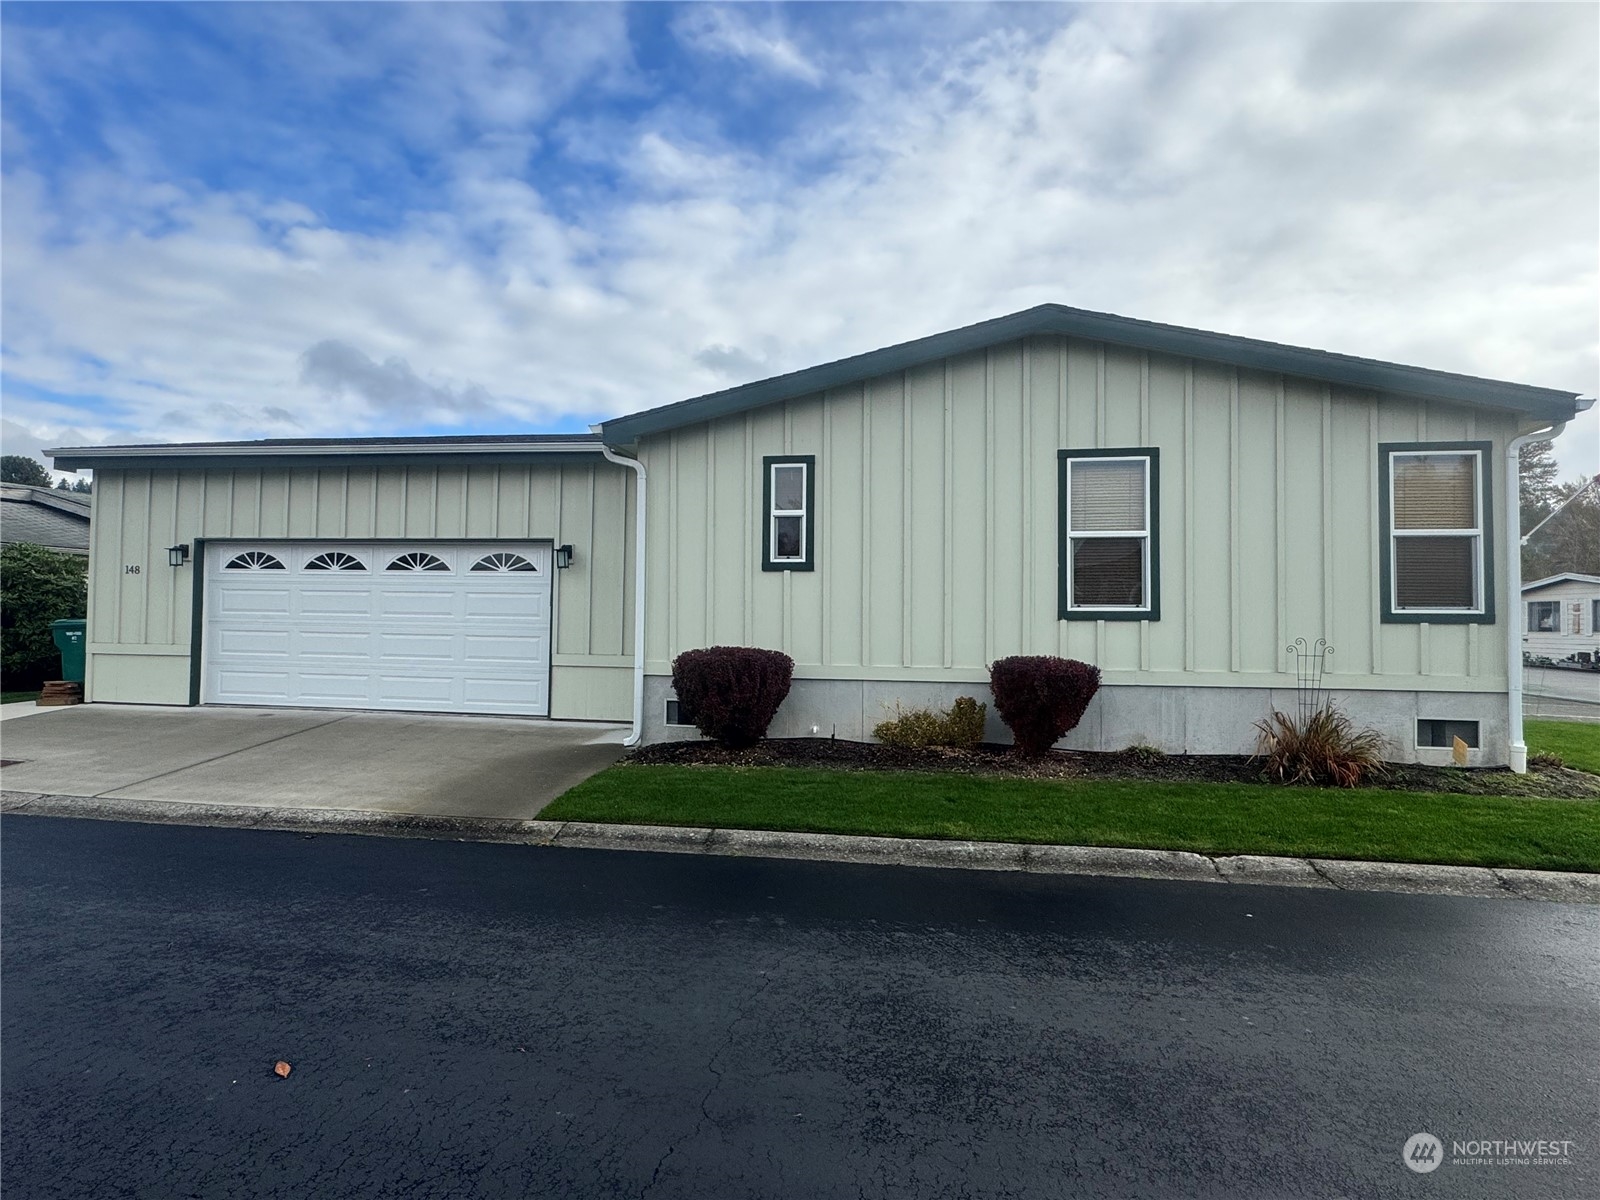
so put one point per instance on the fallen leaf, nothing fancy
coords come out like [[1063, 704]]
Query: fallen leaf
[[282, 1069]]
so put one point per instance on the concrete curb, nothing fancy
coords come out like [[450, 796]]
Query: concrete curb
[[1563, 887]]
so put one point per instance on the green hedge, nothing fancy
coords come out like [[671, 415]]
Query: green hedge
[[37, 586]]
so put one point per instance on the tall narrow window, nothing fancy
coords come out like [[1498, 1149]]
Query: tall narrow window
[[1434, 504], [789, 499], [1110, 548]]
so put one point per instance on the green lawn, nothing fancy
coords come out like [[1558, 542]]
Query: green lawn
[[13, 697], [1210, 818], [1578, 744]]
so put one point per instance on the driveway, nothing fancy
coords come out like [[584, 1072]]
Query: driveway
[[412, 763]]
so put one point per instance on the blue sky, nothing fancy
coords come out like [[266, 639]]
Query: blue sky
[[315, 220]]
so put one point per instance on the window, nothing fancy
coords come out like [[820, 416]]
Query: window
[[1110, 550], [1435, 511], [336, 560], [789, 505], [678, 713], [1443, 734], [1594, 616], [1544, 616], [417, 560], [503, 562], [254, 560]]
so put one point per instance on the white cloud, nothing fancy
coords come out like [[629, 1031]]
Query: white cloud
[[1417, 184], [717, 30]]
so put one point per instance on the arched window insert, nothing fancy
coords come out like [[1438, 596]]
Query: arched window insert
[[336, 560], [254, 560], [503, 562], [418, 560]]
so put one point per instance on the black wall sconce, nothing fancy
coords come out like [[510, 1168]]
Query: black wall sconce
[[563, 557], [178, 555]]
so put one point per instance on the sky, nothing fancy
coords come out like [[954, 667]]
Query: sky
[[281, 220]]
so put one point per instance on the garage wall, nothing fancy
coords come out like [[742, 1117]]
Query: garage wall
[[936, 530], [140, 609]]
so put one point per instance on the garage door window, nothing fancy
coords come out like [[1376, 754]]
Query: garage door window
[[503, 562], [254, 560], [336, 560], [417, 560]]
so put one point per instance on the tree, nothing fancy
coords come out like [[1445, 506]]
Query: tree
[[37, 586], [18, 468], [1537, 469], [81, 486], [1571, 541]]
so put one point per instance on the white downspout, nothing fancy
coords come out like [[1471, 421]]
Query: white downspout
[[637, 468], [1514, 614]]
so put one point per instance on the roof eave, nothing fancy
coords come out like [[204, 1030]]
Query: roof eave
[[74, 458]]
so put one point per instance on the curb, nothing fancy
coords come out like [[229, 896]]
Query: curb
[[1563, 887]]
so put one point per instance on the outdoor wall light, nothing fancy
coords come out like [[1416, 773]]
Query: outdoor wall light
[[563, 557], [178, 555]]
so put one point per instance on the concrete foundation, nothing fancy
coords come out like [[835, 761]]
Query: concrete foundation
[[1176, 720]]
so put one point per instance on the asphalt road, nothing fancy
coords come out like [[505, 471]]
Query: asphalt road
[[479, 1020]]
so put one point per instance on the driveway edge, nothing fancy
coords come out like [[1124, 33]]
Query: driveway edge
[[1564, 887]]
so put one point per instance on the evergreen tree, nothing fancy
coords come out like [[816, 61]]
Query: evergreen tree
[[1537, 468], [1571, 541], [18, 468]]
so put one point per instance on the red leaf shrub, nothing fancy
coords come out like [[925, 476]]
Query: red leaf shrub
[[1041, 698], [733, 692]]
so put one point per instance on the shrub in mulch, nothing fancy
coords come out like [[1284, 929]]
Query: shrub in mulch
[[1324, 747], [1041, 698], [958, 728], [733, 692]]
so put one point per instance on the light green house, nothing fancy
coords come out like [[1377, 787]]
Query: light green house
[[1177, 507]]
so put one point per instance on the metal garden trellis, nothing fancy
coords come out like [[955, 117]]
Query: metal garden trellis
[[1310, 664]]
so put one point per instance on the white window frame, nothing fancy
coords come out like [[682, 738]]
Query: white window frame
[[1475, 534], [1143, 535]]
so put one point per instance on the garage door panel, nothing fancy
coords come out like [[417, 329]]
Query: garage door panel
[[425, 640], [256, 642], [336, 602], [243, 601]]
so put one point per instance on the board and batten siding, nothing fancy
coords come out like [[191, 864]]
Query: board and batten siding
[[936, 534], [140, 623]]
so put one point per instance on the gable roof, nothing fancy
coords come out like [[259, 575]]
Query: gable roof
[[1567, 577], [1368, 373], [45, 517]]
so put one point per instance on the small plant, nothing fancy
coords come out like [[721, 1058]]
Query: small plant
[[1546, 761], [960, 728], [1145, 755], [1041, 698], [1324, 747], [37, 586], [733, 691]]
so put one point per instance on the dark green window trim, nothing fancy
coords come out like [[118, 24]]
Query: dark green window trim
[[197, 610], [1390, 616], [1064, 609], [809, 461]]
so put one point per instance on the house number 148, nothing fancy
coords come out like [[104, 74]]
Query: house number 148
[[131, 569]]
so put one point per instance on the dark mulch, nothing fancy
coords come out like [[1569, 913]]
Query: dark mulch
[[833, 755]]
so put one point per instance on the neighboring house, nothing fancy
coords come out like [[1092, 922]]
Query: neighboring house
[[1561, 617], [45, 517], [1173, 505]]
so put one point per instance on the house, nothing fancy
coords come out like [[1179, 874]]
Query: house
[[1561, 618], [45, 516], [1176, 506]]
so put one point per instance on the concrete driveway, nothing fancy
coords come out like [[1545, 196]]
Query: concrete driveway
[[448, 766]]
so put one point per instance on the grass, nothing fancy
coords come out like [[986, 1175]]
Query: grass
[[1578, 744], [1221, 818], [14, 697]]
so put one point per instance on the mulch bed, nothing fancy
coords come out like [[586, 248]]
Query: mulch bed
[[993, 760]]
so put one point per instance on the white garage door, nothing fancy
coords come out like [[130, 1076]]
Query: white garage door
[[429, 627]]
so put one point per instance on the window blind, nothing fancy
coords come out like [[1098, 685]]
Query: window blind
[[1107, 496], [1434, 491], [1435, 572]]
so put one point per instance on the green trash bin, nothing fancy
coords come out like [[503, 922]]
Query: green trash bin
[[70, 637]]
